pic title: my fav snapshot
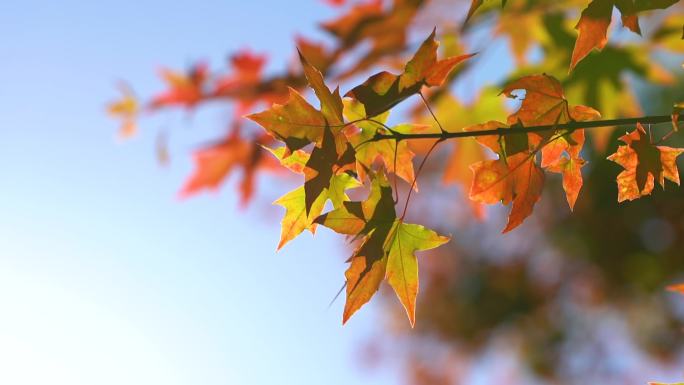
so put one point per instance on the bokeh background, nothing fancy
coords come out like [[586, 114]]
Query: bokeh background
[[107, 277]]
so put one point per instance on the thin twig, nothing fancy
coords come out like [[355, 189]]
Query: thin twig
[[518, 130]]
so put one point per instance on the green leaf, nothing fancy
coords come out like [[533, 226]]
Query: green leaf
[[402, 265], [296, 219]]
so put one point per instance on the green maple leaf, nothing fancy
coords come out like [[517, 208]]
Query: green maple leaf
[[387, 250], [297, 218]]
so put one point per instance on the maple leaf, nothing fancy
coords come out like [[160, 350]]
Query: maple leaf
[[346, 28], [246, 73], [518, 179], [315, 53], [644, 163], [474, 5], [390, 152], [384, 90], [593, 23], [334, 154], [213, 164], [387, 250], [372, 24], [126, 109], [324, 163], [545, 104], [572, 177], [184, 89], [331, 102], [297, 218], [293, 161], [296, 123]]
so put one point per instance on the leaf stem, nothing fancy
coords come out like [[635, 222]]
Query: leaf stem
[[415, 178]]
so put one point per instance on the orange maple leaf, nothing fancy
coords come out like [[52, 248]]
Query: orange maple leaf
[[184, 90], [213, 164], [595, 20], [245, 76], [518, 179], [644, 163]]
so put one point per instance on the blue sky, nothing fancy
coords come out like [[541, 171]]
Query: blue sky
[[105, 277]]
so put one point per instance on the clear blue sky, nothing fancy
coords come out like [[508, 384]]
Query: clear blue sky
[[105, 278]]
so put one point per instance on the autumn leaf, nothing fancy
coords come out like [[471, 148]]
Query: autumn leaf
[[346, 27], [213, 164], [334, 154], [390, 152], [387, 250], [126, 109], [384, 90], [572, 177], [454, 116], [592, 29], [518, 180], [595, 20], [324, 163], [247, 68], [644, 163], [331, 102], [296, 218], [545, 104], [474, 5], [316, 53], [379, 28], [293, 161], [296, 123], [184, 89]]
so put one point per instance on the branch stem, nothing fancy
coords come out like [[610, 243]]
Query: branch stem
[[518, 129]]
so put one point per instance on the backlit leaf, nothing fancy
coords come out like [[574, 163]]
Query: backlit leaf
[[644, 164], [384, 90], [387, 249]]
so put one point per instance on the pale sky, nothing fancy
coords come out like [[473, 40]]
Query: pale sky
[[105, 277]]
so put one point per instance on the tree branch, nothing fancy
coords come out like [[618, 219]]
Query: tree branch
[[520, 129]]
